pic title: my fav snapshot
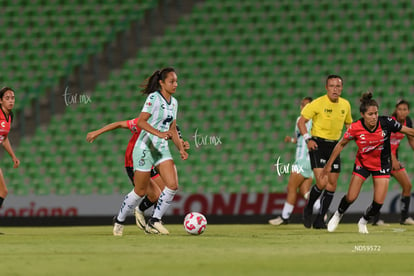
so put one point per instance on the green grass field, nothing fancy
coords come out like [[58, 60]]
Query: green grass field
[[221, 250]]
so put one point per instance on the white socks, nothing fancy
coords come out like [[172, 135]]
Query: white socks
[[287, 210], [164, 202], [131, 201]]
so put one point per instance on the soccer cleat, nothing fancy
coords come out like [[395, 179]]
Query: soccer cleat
[[362, 226], [307, 217], [139, 218], [154, 226], [278, 221], [407, 221], [334, 221], [319, 223], [380, 222], [118, 227]]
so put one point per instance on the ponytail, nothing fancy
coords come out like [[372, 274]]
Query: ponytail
[[152, 83]]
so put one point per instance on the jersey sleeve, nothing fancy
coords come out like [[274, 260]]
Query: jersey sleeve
[[408, 122], [149, 103], [133, 125], [309, 110], [348, 118], [392, 125], [350, 132], [175, 109], [296, 132]]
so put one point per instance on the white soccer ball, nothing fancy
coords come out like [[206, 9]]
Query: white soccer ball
[[195, 223]]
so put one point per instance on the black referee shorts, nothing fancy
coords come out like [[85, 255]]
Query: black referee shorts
[[320, 156]]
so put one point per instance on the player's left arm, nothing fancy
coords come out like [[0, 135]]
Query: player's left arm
[[411, 141], [186, 144], [7, 146], [91, 136], [177, 141], [348, 118], [408, 131]]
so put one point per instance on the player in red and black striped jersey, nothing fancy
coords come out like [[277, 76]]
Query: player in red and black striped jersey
[[400, 114], [156, 182], [6, 117], [372, 135]]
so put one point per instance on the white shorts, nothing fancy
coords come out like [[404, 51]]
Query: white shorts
[[303, 167], [146, 156]]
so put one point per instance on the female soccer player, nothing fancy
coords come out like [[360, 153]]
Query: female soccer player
[[6, 118], [372, 135], [301, 177], [158, 123], [400, 114], [156, 183]]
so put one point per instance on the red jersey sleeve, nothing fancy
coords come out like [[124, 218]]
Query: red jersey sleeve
[[133, 125], [350, 133]]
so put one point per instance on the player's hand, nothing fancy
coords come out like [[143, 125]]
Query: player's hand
[[16, 163], [165, 135], [396, 166], [91, 136], [288, 139], [184, 154], [312, 145], [186, 144]]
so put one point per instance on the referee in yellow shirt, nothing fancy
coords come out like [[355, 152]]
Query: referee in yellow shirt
[[329, 114]]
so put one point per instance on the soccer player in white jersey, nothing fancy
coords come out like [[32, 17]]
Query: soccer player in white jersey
[[301, 176], [158, 123]]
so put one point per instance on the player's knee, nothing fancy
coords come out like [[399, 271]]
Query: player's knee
[[351, 198], [139, 191]]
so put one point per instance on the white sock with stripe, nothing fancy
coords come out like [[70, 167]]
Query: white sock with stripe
[[164, 202]]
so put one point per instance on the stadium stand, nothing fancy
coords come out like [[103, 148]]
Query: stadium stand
[[243, 67]]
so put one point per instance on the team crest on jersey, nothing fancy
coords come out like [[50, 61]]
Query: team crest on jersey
[[141, 162]]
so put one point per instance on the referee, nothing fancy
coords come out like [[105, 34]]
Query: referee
[[329, 114]]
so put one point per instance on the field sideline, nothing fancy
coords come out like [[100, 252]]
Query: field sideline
[[221, 250]]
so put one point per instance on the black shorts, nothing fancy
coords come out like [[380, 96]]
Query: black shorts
[[130, 172], [320, 156], [364, 173]]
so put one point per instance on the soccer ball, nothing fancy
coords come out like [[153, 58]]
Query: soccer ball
[[195, 223]]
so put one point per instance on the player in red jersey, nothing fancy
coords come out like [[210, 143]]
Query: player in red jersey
[[156, 182], [6, 117], [372, 135], [402, 109]]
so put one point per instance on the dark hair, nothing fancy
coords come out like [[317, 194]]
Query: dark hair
[[366, 101], [152, 83], [2, 91], [400, 102], [307, 99], [334, 77]]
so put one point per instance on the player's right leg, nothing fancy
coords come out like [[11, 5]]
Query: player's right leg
[[346, 201], [168, 174], [295, 180]]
